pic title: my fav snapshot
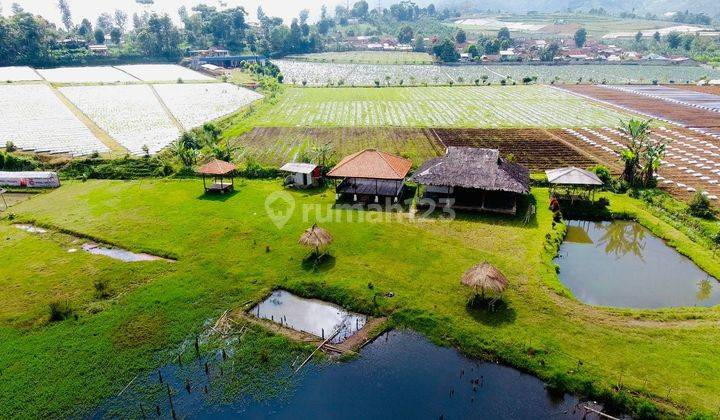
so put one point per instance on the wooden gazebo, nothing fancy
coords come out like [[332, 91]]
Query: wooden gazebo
[[221, 172]]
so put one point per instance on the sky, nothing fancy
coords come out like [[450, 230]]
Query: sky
[[286, 9]]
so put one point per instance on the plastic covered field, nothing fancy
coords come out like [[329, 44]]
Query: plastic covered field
[[131, 114], [195, 104], [162, 72], [18, 74], [98, 74], [35, 119]]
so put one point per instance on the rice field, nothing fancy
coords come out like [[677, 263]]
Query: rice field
[[35, 119], [131, 114], [333, 74], [18, 74], [195, 104], [96, 74], [162, 72], [461, 107]]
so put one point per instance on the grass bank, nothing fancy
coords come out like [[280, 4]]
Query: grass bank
[[230, 252]]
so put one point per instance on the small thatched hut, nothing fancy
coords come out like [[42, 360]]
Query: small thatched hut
[[469, 178], [220, 171], [316, 238], [485, 277]]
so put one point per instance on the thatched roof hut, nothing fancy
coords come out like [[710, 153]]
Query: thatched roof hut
[[485, 277], [218, 170], [315, 237]]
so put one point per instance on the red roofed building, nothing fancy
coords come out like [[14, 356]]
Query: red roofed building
[[369, 175]]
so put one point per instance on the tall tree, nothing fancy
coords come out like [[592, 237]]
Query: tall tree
[[460, 37], [99, 36], [121, 20], [580, 37], [406, 34], [65, 14]]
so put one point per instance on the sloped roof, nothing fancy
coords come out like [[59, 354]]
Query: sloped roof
[[27, 174], [216, 167], [300, 168], [469, 167], [372, 164], [572, 176]]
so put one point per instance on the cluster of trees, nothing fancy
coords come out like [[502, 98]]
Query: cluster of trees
[[692, 18], [489, 45]]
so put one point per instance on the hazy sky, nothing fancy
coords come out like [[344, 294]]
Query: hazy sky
[[287, 9]]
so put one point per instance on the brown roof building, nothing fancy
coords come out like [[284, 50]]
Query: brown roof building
[[474, 179], [369, 175]]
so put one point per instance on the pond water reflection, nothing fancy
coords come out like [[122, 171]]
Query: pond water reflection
[[622, 264], [399, 375]]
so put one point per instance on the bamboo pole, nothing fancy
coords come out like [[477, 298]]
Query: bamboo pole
[[315, 351], [600, 413]]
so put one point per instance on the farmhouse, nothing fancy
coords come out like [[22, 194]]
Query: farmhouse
[[468, 178], [301, 175], [370, 175]]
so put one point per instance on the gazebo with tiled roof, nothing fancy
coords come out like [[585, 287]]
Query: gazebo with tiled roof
[[370, 175], [220, 171]]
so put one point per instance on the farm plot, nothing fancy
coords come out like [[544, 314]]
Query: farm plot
[[278, 145], [131, 114], [692, 162], [34, 119], [18, 74], [367, 57], [535, 149], [195, 104], [701, 120], [325, 74], [699, 100], [488, 106], [162, 72], [98, 74]]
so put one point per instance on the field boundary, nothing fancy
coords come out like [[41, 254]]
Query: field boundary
[[165, 108]]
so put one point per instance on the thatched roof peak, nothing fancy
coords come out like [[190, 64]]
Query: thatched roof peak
[[216, 167], [315, 237], [469, 167], [485, 277]]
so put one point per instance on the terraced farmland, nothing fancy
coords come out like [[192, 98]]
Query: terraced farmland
[[348, 74], [277, 145], [34, 119], [535, 149], [459, 107], [692, 162], [131, 114]]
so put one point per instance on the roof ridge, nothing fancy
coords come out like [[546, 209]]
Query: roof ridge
[[382, 156]]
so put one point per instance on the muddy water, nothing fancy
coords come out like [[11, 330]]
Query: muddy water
[[316, 317], [399, 375], [622, 264]]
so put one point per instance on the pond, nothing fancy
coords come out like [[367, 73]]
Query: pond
[[399, 375], [622, 264], [118, 253], [312, 316]]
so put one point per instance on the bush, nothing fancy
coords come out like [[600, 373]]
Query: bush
[[254, 170], [60, 310], [102, 289], [10, 147], [699, 206], [604, 174], [10, 162]]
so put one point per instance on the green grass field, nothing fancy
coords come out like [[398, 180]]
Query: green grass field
[[367, 57], [229, 252], [459, 107]]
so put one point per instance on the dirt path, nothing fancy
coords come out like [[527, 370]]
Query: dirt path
[[167, 110]]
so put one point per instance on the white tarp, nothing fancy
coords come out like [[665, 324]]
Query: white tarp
[[29, 179]]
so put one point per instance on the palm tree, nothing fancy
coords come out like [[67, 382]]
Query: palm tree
[[322, 153]]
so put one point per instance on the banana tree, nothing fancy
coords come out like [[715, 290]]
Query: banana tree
[[638, 132]]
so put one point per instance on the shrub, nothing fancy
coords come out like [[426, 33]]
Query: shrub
[[699, 206], [60, 310], [10, 147], [102, 289], [604, 174]]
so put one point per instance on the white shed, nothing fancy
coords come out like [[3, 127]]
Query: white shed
[[302, 175], [29, 179]]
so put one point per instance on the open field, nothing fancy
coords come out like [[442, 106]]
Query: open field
[[162, 72], [17, 74], [34, 119], [324, 73], [459, 107], [229, 252], [701, 119], [367, 57]]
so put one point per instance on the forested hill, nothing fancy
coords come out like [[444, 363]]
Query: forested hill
[[641, 7]]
